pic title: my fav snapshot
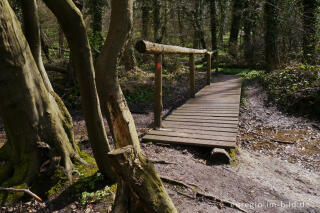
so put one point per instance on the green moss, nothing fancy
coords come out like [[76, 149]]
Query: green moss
[[233, 155], [13, 197]]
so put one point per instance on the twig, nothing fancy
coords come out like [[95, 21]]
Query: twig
[[285, 142], [22, 190], [161, 162]]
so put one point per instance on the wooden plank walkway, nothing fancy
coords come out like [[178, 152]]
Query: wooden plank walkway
[[210, 119]]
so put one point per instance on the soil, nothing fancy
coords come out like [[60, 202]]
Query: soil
[[277, 166]]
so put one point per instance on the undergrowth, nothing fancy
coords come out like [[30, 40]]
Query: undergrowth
[[295, 88]]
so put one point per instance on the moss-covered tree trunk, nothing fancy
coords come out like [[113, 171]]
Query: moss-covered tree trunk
[[36, 127], [309, 30], [271, 34], [72, 23], [96, 12]]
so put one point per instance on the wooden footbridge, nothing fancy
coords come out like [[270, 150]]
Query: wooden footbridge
[[209, 118]]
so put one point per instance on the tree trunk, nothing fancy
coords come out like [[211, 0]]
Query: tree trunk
[[145, 16], [271, 34], [222, 18], [61, 38], [119, 117], [197, 25], [44, 45], [68, 15], [156, 20], [32, 34], [140, 175], [213, 26], [36, 128], [309, 31], [113, 102], [96, 11], [247, 23], [180, 22], [235, 26], [128, 55]]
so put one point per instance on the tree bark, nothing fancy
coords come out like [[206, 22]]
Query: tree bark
[[235, 26], [156, 20], [140, 175], [271, 34], [247, 23], [197, 25], [61, 38], [35, 125], [32, 34], [96, 11], [309, 30], [222, 18], [145, 16], [112, 99], [128, 55], [181, 27], [120, 120], [68, 15], [213, 26]]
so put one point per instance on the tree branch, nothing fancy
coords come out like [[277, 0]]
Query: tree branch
[[22, 190]]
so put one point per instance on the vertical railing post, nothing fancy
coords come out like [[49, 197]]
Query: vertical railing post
[[158, 91], [192, 76], [208, 68]]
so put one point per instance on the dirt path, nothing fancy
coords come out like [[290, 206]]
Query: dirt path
[[263, 180]]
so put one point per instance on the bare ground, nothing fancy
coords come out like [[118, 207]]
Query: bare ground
[[277, 168]]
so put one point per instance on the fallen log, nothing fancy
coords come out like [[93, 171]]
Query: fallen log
[[220, 156]]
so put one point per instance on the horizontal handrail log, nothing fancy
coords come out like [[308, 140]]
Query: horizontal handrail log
[[154, 48]]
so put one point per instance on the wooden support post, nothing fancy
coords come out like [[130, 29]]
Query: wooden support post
[[208, 69], [158, 91], [192, 76]]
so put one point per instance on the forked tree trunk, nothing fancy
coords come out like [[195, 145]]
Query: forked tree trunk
[[122, 124], [68, 15], [36, 128]]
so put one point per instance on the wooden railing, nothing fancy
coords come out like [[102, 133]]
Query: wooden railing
[[160, 49]]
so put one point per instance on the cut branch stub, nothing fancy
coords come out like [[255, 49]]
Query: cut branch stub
[[154, 48], [139, 174]]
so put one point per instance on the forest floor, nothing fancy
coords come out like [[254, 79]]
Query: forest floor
[[277, 167]]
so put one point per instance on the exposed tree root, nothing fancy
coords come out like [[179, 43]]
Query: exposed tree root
[[198, 194], [161, 162], [215, 199]]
